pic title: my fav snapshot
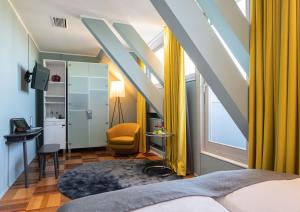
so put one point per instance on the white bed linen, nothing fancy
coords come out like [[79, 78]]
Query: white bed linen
[[270, 196], [189, 204]]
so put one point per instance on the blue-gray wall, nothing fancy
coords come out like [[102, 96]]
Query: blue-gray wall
[[14, 49]]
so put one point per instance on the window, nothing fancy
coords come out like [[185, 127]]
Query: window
[[240, 68], [189, 66], [154, 80], [221, 128], [160, 55], [222, 136], [244, 7]]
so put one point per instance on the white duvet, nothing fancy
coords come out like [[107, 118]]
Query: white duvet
[[270, 196]]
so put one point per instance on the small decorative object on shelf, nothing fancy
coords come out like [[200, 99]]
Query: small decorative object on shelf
[[55, 78], [158, 130]]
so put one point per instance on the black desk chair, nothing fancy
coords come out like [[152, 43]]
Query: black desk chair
[[48, 149]]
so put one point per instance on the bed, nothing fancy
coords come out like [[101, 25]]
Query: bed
[[239, 190]]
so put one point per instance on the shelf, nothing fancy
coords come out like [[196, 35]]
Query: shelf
[[56, 83], [54, 96], [74, 110], [90, 77], [61, 103], [98, 89], [47, 119], [79, 93]]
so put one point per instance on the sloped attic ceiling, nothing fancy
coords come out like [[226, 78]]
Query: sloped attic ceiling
[[76, 39]]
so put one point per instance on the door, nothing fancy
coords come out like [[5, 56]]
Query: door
[[87, 105], [98, 91], [78, 96]]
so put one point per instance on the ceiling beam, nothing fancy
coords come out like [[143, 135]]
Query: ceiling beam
[[191, 28], [122, 58], [142, 50], [232, 26]]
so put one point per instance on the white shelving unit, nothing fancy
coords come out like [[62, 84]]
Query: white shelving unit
[[55, 105]]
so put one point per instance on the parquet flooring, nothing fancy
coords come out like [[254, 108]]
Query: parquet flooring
[[43, 195]]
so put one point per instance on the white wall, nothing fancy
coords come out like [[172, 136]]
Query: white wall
[[14, 52]]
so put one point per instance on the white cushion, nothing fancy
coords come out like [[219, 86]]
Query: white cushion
[[275, 196]]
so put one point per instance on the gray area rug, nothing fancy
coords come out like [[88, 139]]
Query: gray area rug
[[104, 176]]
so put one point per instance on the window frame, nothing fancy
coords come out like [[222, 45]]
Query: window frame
[[226, 152]]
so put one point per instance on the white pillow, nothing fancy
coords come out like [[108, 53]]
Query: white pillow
[[270, 196]]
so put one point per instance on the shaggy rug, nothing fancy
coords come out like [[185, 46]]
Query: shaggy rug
[[104, 176]]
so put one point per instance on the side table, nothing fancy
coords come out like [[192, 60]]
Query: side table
[[162, 170]]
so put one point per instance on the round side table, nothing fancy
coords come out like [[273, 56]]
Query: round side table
[[162, 170]]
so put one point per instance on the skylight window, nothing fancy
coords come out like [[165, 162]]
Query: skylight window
[[242, 71], [243, 5]]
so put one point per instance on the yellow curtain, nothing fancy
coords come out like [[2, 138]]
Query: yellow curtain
[[274, 101], [174, 102], [141, 116]]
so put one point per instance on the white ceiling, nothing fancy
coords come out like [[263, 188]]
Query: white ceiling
[[36, 15]]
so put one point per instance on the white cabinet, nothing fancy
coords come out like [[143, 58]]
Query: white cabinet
[[55, 133], [78, 101], [87, 104]]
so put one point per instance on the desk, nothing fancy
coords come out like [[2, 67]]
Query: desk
[[24, 137]]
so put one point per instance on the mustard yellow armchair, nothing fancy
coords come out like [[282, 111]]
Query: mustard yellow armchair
[[124, 138]]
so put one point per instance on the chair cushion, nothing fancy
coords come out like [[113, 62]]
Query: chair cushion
[[122, 140]]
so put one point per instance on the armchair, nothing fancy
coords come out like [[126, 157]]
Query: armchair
[[124, 138]]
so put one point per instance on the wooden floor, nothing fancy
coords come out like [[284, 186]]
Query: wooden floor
[[43, 195]]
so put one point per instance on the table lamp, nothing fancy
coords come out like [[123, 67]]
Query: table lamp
[[117, 90]]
